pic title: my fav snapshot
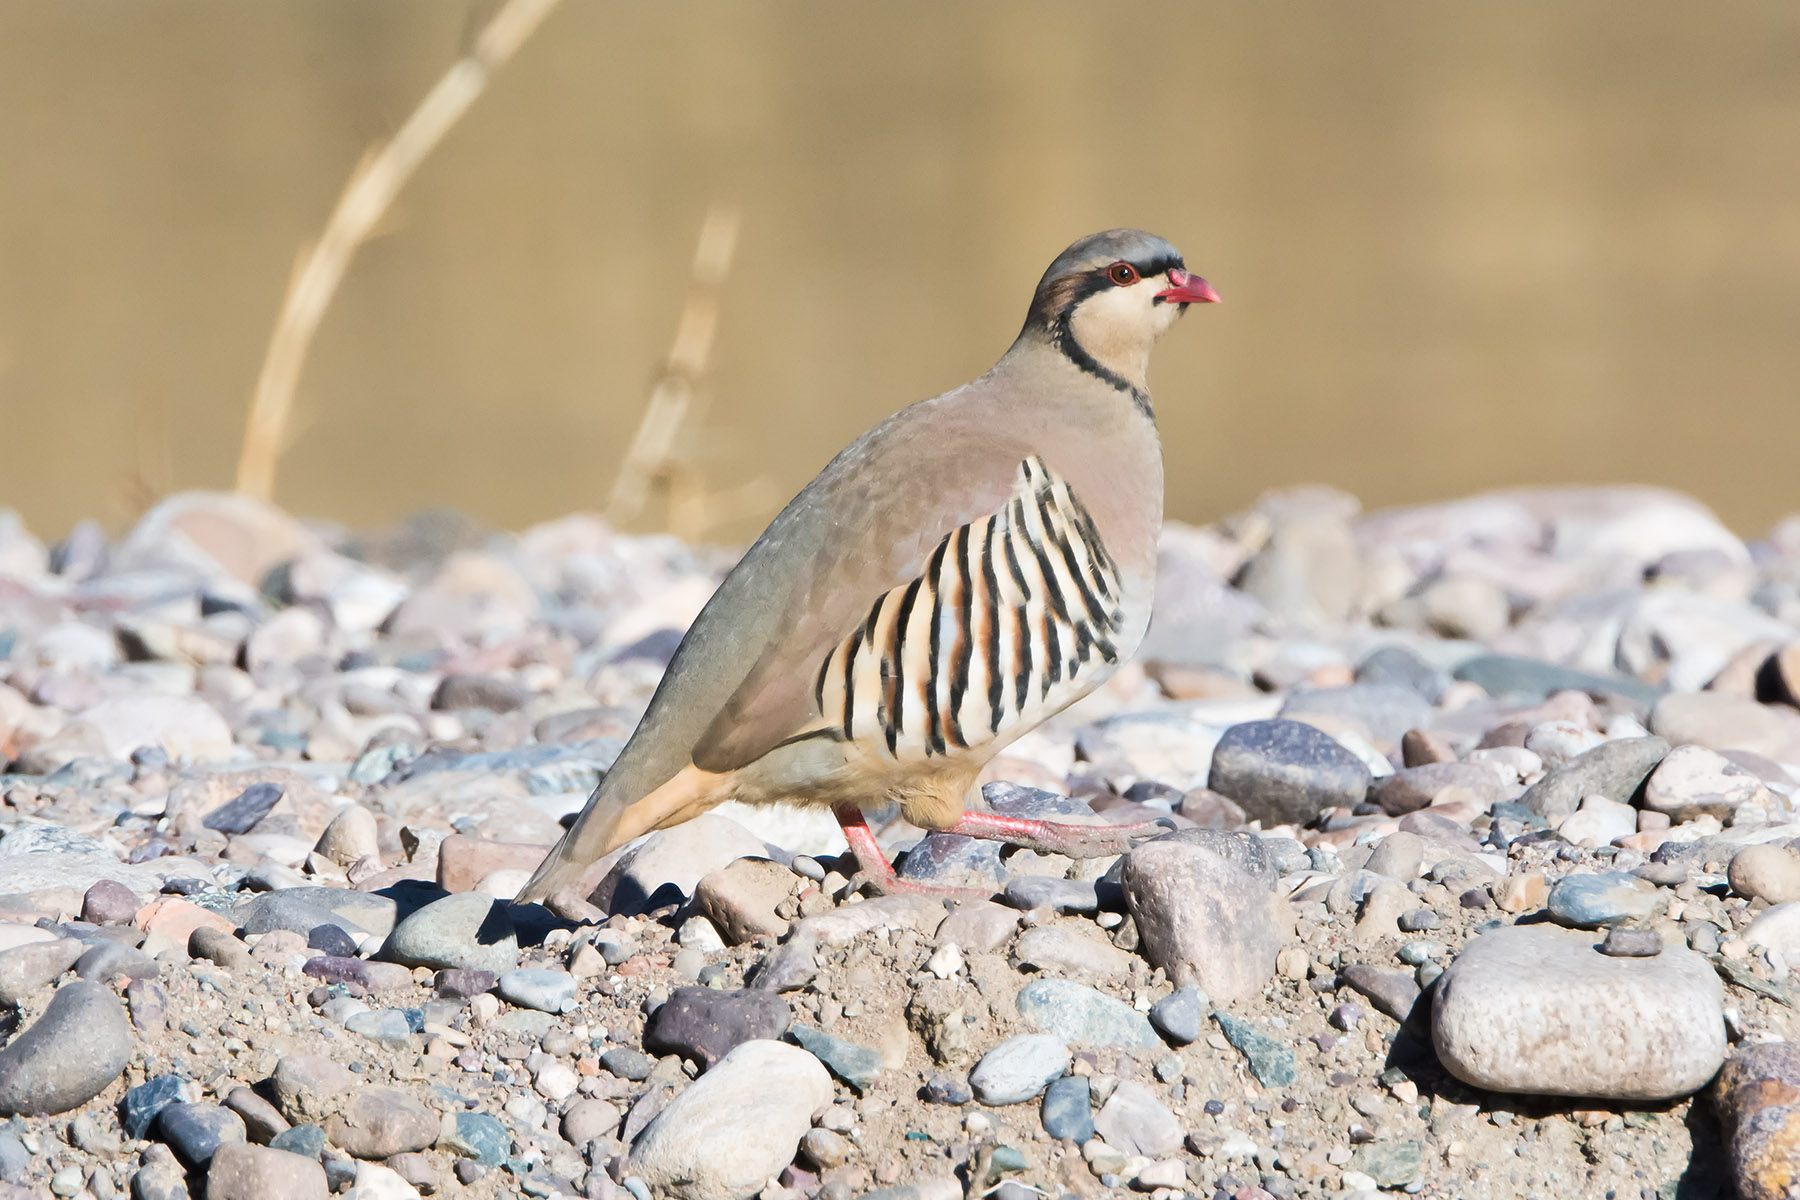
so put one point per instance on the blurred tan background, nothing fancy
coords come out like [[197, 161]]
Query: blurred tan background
[[1460, 245]]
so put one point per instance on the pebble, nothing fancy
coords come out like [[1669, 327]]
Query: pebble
[[379, 1122], [242, 813], [1181, 1015], [1029, 892], [466, 929], [196, 1131], [68, 1055], [1019, 1068], [25, 969], [1205, 920], [544, 990], [1777, 928], [1271, 1061], [460, 983], [139, 1108], [741, 898], [262, 1120], [1522, 1009], [1599, 821], [1607, 898], [1135, 1121], [704, 1024], [377, 1182], [585, 1120], [1081, 1016], [215, 945], [979, 926], [1612, 770], [1765, 872], [858, 1066], [1632, 943], [1284, 771], [350, 835], [109, 902], [1399, 856], [736, 1126], [1392, 992], [478, 1137], [244, 1172], [1391, 1165], [1068, 1110], [1064, 950]]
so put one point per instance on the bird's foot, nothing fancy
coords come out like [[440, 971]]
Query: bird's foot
[[875, 872], [1058, 837]]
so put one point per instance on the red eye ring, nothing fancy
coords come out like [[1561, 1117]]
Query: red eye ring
[[1122, 273]]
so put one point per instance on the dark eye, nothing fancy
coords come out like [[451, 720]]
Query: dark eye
[[1122, 273]]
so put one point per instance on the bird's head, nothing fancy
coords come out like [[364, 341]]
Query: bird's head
[[1107, 298]]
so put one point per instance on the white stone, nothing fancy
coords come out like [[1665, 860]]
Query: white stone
[[1539, 1010], [736, 1126], [376, 1182], [1600, 821], [1694, 781]]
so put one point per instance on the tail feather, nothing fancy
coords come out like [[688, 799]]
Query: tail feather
[[608, 822]]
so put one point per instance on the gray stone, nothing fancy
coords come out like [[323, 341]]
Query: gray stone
[[68, 1055], [1081, 1016], [388, 1025], [245, 1172], [196, 1131], [1632, 943], [1271, 1061], [302, 909], [378, 1123], [1614, 770], [1059, 895], [858, 1066], [1181, 1015], [305, 1140], [1399, 855], [787, 967], [1535, 1009], [1068, 1110], [105, 961], [704, 1024], [1204, 920], [310, 1087], [1019, 1068], [139, 1109], [1396, 666], [1066, 950], [1386, 710], [1766, 872], [1609, 898], [532, 987], [241, 814], [979, 926], [1393, 992], [25, 969], [218, 946], [464, 930], [1135, 1121], [1286, 772], [1390, 1164], [109, 902], [1532, 680], [1413, 788], [735, 1127]]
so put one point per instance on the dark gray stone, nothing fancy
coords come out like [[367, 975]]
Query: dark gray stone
[[460, 983], [139, 1109], [479, 1137], [196, 1131], [1068, 1109], [308, 1141], [1396, 666], [1615, 770], [1181, 1015], [627, 1063], [703, 1024], [68, 1055], [1632, 943], [241, 814], [1393, 992], [106, 961], [944, 1088], [1285, 772], [331, 940]]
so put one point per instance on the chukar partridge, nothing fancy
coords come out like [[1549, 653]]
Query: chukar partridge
[[961, 572]]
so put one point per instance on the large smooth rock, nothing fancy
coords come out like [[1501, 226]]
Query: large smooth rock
[[735, 1127], [1286, 771], [467, 929], [1612, 769], [68, 1055], [241, 1171], [1757, 1096], [1537, 1010], [1204, 919]]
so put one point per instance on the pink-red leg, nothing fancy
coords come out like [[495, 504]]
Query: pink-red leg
[[1055, 837], [878, 872]]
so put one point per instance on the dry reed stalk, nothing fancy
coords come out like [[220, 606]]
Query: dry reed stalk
[[652, 457], [371, 188]]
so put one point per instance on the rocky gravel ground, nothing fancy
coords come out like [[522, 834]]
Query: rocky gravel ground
[[1479, 879]]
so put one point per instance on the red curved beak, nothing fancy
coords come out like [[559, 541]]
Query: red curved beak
[[1187, 289]]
